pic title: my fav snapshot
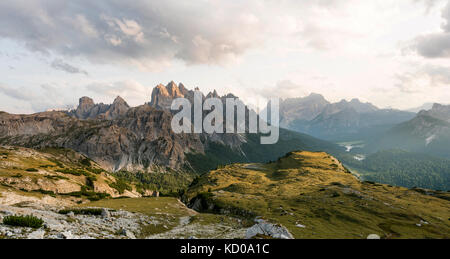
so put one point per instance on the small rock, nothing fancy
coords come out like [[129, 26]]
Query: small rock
[[300, 226], [419, 225], [71, 214], [373, 236], [127, 233], [38, 234], [192, 237], [6, 212], [105, 213], [65, 235]]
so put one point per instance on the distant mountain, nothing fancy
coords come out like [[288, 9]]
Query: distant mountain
[[428, 132], [338, 121], [301, 109]]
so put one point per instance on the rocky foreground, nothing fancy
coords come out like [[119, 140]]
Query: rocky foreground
[[123, 224]]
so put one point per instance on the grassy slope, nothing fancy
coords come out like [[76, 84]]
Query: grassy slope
[[315, 190]]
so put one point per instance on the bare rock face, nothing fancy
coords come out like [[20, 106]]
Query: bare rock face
[[162, 96]]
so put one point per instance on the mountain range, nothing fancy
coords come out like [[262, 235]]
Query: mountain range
[[119, 137], [344, 120]]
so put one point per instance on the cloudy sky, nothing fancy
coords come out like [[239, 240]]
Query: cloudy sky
[[393, 53]]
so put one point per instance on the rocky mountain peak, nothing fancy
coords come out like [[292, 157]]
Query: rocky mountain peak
[[120, 100], [87, 109], [162, 96], [85, 102], [213, 94]]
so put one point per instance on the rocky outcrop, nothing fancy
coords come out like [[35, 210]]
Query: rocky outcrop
[[120, 225], [263, 228], [162, 96]]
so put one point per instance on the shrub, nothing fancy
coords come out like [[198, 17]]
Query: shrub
[[86, 162], [23, 221], [56, 177], [95, 170], [90, 195], [51, 193], [87, 211], [31, 170], [90, 181], [120, 185]]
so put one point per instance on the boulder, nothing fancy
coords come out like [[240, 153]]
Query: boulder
[[38, 234], [373, 236], [268, 229], [127, 233], [105, 213], [65, 235]]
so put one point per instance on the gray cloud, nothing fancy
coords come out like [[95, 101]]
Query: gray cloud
[[43, 98], [151, 34], [435, 45], [59, 64], [17, 94], [422, 77], [145, 33]]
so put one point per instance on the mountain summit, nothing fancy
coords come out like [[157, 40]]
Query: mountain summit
[[87, 109], [162, 96]]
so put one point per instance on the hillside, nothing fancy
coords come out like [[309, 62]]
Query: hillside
[[314, 196], [59, 173]]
